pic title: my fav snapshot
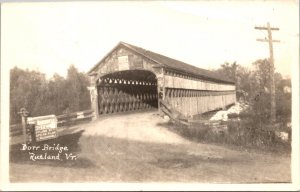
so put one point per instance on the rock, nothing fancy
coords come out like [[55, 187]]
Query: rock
[[166, 118], [235, 109], [284, 136]]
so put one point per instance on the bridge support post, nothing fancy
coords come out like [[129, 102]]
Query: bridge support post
[[94, 96]]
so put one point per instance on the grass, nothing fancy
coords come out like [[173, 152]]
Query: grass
[[244, 135], [106, 159], [110, 159]]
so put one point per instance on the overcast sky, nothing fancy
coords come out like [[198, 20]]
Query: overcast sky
[[50, 36]]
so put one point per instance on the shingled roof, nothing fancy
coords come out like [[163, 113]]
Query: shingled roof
[[170, 63]]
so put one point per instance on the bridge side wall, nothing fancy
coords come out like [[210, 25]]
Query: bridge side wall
[[192, 96]]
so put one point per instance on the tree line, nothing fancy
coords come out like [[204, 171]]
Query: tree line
[[41, 96], [253, 87]]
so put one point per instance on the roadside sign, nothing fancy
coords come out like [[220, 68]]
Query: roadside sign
[[45, 127]]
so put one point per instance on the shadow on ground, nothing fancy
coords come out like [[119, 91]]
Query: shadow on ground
[[98, 147], [16, 155]]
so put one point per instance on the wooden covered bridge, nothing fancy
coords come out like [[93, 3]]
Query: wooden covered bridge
[[131, 78]]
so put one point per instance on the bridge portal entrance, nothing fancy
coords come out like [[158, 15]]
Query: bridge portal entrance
[[125, 91]]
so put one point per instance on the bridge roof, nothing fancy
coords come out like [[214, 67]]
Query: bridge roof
[[167, 62]]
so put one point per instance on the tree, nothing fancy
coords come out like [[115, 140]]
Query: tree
[[31, 89], [78, 94], [260, 91], [255, 85], [240, 75], [57, 89], [228, 70], [243, 83], [283, 97], [27, 90]]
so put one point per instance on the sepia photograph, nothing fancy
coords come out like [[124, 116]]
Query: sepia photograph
[[150, 95]]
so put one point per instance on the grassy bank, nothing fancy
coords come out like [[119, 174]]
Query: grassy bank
[[246, 133]]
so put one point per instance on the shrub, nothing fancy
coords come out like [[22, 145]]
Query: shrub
[[246, 132]]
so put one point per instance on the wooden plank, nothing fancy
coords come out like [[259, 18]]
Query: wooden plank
[[199, 102], [15, 127], [172, 113], [189, 103], [195, 103], [194, 84], [180, 101], [186, 84], [168, 81]]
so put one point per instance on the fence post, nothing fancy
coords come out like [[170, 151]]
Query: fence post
[[24, 113], [32, 133], [67, 113]]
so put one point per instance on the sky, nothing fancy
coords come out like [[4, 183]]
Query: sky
[[50, 36]]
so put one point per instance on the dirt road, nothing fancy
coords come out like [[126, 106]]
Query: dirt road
[[139, 148], [144, 127]]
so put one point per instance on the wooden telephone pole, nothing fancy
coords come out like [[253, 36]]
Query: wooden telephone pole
[[272, 68]]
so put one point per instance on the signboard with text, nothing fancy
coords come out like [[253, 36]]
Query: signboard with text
[[45, 127], [123, 63]]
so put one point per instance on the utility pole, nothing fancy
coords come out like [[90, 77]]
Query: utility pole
[[272, 68]]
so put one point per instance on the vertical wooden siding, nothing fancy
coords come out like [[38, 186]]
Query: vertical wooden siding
[[182, 83], [192, 102]]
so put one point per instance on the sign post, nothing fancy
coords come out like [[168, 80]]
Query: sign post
[[24, 113]]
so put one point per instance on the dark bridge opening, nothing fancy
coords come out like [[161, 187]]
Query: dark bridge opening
[[124, 91]]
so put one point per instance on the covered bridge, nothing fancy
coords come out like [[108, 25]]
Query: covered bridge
[[131, 78]]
